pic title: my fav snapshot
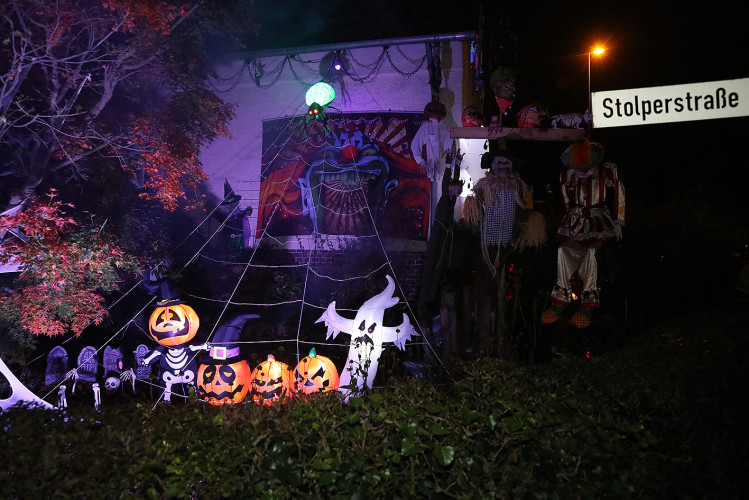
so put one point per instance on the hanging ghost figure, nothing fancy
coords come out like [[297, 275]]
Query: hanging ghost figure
[[367, 336]]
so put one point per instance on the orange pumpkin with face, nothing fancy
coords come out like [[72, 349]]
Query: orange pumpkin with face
[[270, 381], [173, 325], [224, 384], [315, 374]]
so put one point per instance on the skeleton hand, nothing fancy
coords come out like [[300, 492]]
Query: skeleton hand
[[453, 155], [127, 375], [494, 125], [618, 231], [72, 375]]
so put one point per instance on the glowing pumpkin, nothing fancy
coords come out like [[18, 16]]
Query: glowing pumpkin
[[270, 381], [224, 384], [173, 325], [315, 374]]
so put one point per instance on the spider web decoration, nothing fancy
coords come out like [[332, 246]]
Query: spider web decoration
[[359, 184]]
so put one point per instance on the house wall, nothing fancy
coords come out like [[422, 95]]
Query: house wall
[[281, 93]]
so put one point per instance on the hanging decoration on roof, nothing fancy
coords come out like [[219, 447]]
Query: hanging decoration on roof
[[502, 200], [368, 334], [318, 98], [503, 81]]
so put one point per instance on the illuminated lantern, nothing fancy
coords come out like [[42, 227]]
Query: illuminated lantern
[[173, 324], [224, 378], [270, 381], [315, 374]]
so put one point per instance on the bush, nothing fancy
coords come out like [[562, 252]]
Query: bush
[[660, 417]]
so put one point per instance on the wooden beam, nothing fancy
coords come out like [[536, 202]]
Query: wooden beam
[[518, 133]]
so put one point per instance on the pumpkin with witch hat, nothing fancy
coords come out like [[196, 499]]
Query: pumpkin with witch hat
[[224, 377]]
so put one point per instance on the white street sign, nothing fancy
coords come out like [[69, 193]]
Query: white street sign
[[675, 103]]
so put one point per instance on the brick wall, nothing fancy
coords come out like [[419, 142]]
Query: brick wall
[[407, 265]]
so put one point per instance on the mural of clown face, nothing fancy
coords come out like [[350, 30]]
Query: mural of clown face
[[346, 185], [362, 171]]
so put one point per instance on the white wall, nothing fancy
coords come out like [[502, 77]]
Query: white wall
[[238, 159]]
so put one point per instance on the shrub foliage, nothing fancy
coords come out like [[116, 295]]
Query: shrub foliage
[[661, 417]]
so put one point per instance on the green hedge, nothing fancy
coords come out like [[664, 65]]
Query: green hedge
[[662, 417]]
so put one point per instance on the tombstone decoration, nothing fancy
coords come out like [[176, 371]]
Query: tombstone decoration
[[173, 324], [368, 334], [88, 365], [112, 360], [57, 366], [114, 370], [594, 198], [142, 371]]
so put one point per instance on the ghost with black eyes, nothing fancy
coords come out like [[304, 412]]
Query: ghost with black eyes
[[368, 334]]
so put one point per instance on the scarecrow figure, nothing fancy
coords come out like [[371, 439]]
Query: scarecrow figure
[[594, 199], [501, 209], [493, 209]]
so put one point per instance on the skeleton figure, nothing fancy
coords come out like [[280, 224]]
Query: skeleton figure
[[367, 336], [62, 402], [570, 120], [88, 362], [97, 395], [177, 365]]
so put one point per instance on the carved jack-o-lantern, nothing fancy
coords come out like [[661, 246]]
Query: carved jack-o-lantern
[[224, 384], [315, 374], [270, 381], [173, 325]]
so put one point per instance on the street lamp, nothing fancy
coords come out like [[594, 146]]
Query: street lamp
[[597, 51]]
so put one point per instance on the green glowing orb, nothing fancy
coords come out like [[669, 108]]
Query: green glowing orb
[[321, 93]]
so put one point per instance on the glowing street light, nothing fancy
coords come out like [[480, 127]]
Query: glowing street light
[[597, 51]]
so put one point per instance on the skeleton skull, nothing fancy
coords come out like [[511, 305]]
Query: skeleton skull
[[111, 384]]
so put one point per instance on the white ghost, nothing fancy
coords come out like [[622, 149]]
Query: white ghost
[[367, 336]]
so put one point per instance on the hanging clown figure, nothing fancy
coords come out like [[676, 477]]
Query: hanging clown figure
[[367, 336], [594, 199]]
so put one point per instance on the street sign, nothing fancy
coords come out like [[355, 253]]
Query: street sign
[[675, 103]]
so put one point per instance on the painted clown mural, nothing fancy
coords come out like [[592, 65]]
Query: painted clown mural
[[361, 173]]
